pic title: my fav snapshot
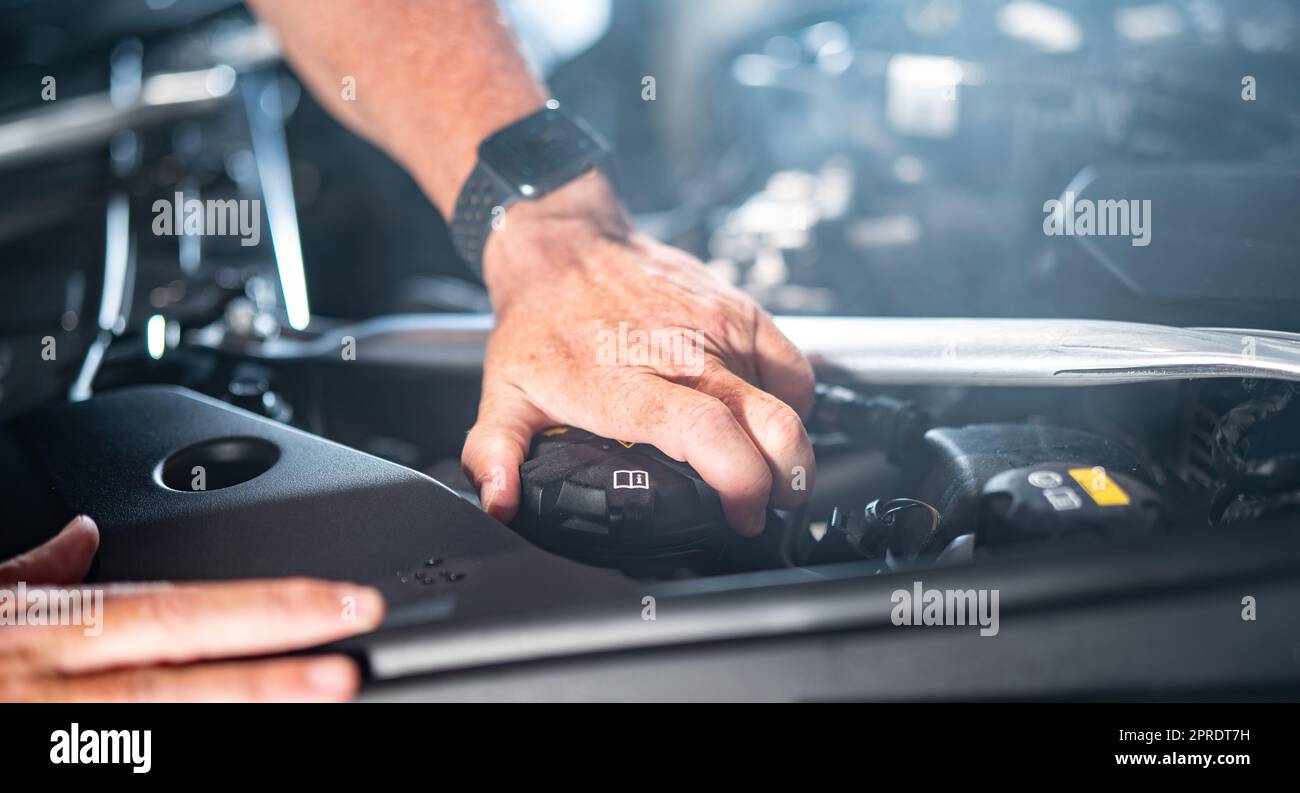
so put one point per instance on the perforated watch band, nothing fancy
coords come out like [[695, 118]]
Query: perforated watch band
[[472, 220]]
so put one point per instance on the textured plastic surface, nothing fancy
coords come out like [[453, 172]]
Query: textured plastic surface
[[1059, 502], [630, 506], [614, 494], [321, 509], [960, 461]]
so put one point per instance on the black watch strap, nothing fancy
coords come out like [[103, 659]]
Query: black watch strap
[[476, 209]]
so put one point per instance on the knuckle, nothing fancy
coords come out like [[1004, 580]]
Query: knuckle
[[282, 599], [805, 379], [758, 487], [299, 595], [476, 438], [611, 379], [168, 608], [784, 429], [807, 385], [716, 379], [708, 421]]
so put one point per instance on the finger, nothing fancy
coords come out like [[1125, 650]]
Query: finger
[[688, 425], [63, 559], [777, 432], [190, 622], [497, 445], [783, 370], [330, 678]]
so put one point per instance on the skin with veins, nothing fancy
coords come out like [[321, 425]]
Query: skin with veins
[[435, 77]]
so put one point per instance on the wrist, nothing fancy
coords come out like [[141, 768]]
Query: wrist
[[553, 235]]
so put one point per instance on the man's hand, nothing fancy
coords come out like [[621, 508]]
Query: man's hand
[[161, 642], [433, 78], [563, 273]]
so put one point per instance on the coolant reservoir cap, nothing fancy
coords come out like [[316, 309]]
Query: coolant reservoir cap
[[1056, 501]]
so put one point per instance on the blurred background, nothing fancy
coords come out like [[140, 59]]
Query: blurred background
[[887, 157]]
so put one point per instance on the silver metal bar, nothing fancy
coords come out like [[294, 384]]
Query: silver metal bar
[[449, 342], [125, 87], [117, 261], [274, 173], [115, 294], [992, 352], [87, 121], [1039, 352], [70, 124]]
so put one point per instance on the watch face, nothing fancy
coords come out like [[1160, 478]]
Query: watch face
[[541, 152]]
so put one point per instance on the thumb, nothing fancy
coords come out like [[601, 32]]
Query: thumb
[[64, 559], [496, 447]]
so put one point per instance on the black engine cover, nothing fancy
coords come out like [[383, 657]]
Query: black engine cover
[[279, 502]]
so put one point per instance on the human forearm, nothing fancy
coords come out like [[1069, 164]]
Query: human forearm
[[433, 77]]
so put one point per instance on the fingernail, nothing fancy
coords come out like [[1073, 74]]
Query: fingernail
[[756, 524], [331, 675], [487, 496]]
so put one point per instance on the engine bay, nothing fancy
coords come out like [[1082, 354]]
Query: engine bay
[[1101, 427], [909, 477]]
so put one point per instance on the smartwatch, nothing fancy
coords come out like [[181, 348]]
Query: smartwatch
[[526, 160]]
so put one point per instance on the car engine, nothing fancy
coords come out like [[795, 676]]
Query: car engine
[[1101, 421]]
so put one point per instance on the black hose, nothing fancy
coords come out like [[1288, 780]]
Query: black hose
[[876, 422], [1242, 471]]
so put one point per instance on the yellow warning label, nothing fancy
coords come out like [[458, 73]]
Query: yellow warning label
[[553, 431], [627, 444], [1105, 492]]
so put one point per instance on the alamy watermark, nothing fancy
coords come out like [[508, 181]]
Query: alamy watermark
[[49, 606], [235, 217], [1083, 217], [678, 349], [946, 607], [93, 747]]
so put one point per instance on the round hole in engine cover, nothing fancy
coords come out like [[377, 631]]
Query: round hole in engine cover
[[217, 464], [610, 502]]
